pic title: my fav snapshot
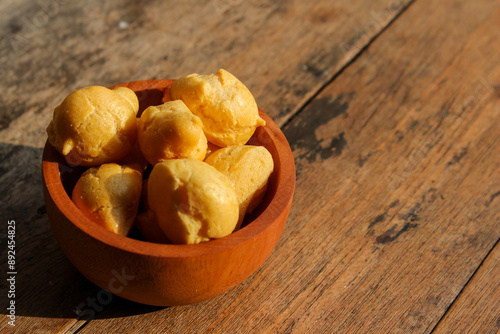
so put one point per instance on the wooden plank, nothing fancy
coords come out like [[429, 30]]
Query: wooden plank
[[398, 162], [477, 310], [283, 51]]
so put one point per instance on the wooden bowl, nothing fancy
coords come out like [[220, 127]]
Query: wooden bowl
[[159, 274]]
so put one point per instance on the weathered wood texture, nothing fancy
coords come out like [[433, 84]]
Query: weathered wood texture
[[477, 309], [283, 51], [397, 199], [396, 203]]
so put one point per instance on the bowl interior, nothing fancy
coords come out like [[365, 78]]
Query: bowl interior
[[60, 178]]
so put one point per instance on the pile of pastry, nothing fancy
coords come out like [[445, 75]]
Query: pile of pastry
[[181, 173]]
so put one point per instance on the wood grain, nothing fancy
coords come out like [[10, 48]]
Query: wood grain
[[398, 160], [477, 310]]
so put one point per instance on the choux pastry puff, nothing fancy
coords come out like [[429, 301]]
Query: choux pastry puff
[[171, 131], [225, 105], [248, 169], [109, 195], [95, 125], [192, 201]]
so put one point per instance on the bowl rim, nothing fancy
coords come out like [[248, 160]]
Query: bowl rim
[[278, 204]]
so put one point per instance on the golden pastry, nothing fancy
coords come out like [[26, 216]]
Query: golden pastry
[[95, 125], [192, 201], [211, 148], [225, 105], [135, 155], [171, 131], [109, 195], [248, 168], [146, 221]]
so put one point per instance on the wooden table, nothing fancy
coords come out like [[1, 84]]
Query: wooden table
[[391, 109]]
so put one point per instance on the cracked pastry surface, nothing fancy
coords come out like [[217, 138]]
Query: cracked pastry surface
[[110, 195], [171, 131], [192, 201], [95, 125], [225, 105]]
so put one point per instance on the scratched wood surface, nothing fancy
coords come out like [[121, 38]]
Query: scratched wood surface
[[395, 222]]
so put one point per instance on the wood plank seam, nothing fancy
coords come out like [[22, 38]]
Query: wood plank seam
[[497, 243], [328, 82]]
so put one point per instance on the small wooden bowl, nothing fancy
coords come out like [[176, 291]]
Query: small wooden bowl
[[159, 274]]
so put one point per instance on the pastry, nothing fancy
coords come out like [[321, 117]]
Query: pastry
[[146, 221], [192, 201], [95, 125], [109, 195], [211, 148], [248, 168], [171, 131], [225, 105]]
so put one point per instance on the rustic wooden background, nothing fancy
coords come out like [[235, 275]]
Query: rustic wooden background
[[392, 110]]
